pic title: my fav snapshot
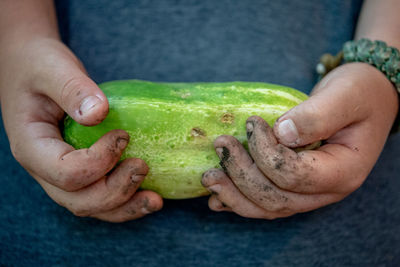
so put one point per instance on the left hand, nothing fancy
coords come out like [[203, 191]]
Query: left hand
[[352, 108]]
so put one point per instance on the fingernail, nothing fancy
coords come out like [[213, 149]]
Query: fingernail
[[145, 211], [249, 129], [216, 188], [88, 103], [122, 143], [249, 126], [219, 151], [223, 153], [204, 179], [288, 132], [149, 209], [137, 178]]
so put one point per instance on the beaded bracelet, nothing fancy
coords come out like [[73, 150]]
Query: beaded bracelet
[[376, 53]]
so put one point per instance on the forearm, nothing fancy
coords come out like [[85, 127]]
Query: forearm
[[24, 19], [379, 20]]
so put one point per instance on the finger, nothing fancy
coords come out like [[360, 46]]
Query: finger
[[216, 205], [241, 158], [67, 83], [63, 166], [259, 189], [334, 104], [337, 167], [104, 195], [209, 179], [226, 197], [283, 166], [141, 204]]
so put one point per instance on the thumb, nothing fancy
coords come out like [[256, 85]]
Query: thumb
[[328, 110], [69, 86]]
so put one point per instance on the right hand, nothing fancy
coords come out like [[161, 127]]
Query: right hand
[[39, 80]]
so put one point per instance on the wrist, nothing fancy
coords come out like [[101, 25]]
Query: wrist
[[360, 83], [367, 84]]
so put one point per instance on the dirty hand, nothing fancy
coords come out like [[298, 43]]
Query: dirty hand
[[41, 79], [353, 109]]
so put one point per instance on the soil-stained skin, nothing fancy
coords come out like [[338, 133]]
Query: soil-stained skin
[[269, 172], [225, 158], [286, 168], [244, 173]]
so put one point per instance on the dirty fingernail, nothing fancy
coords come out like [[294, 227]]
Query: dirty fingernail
[[149, 209], [122, 142], [204, 179], [288, 132], [145, 210], [249, 129], [216, 188], [137, 178], [249, 126], [219, 151], [88, 103]]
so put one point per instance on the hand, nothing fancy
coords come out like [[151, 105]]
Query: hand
[[39, 79], [353, 109]]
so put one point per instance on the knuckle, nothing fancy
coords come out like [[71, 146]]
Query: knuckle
[[291, 183], [70, 183], [71, 88]]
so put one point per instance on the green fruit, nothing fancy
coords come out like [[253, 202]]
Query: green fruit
[[173, 125]]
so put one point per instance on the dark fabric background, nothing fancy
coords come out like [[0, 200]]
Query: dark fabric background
[[271, 41]]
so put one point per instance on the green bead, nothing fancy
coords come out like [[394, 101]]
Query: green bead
[[349, 51], [392, 66], [376, 53]]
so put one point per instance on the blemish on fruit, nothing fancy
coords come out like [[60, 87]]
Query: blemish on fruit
[[227, 118], [197, 132]]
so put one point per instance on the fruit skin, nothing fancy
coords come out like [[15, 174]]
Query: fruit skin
[[172, 126]]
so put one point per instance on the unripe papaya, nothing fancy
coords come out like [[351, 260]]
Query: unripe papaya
[[172, 126]]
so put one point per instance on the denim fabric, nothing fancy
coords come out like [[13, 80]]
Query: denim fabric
[[271, 41]]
